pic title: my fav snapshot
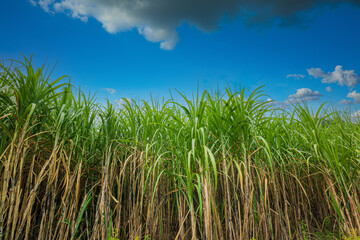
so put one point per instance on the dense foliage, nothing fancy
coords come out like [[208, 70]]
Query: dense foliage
[[216, 167]]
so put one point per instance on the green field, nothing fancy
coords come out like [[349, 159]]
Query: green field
[[218, 166]]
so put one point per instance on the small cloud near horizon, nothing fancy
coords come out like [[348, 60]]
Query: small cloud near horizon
[[123, 101], [354, 95], [110, 90], [274, 103], [346, 102], [356, 115], [305, 94]]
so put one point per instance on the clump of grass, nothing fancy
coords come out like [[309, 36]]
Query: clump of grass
[[221, 166]]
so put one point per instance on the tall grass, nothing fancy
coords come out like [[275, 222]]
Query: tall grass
[[217, 167]]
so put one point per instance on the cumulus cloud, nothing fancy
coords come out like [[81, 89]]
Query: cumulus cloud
[[110, 90], [305, 94], [329, 89], [157, 20], [302, 94], [355, 98], [297, 76], [339, 76]]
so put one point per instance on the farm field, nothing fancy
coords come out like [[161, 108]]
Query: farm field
[[218, 166]]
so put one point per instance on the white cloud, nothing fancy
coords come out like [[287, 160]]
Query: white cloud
[[32, 2], [339, 76], [274, 103], [354, 95], [110, 90], [356, 115], [157, 20], [123, 101], [44, 4], [346, 102], [297, 76], [329, 89], [305, 94]]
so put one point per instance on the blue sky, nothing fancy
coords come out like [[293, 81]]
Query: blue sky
[[291, 48]]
